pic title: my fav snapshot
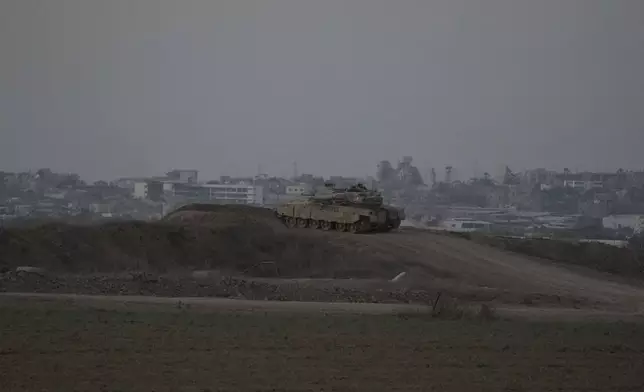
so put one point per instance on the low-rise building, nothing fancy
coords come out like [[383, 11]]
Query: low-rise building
[[100, 208], [627, 221]]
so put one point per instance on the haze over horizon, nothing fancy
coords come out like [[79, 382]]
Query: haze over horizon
[[138, 87]]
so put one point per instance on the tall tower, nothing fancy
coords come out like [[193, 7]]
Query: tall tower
[[448, 174]]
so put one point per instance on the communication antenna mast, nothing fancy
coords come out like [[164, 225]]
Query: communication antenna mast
[[475, 168]]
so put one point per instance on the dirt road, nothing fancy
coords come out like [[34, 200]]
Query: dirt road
[[217, 305], [201, 303], [459, 263]]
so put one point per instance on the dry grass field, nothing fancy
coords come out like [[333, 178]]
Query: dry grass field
[[60, 346]]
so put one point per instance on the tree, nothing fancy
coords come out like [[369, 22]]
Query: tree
[[510, 178], [485, 181], [561, 199], [69, 181], [636, 242], [386, 172]]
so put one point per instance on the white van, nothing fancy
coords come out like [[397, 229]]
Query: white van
[[465, 225]]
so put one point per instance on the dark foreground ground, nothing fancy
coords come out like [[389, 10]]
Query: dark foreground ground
[[59, 346]]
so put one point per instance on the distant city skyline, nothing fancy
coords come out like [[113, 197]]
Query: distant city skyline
[[457, 173]]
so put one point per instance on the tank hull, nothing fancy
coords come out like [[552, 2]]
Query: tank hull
[[354, 209], [337, 217]]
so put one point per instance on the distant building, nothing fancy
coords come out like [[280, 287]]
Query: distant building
[[558, 222], [23, 209], [299, 189], [341, 182], [236, 180], [184, 176], [470, 212], [55, 194], [593, 180], [100, 208], [151, 189], [597, 203], [630, 221], [497, 196], [140, 189], [128, 182], [273, 185]]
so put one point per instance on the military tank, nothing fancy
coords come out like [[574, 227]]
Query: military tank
[[355, 209]]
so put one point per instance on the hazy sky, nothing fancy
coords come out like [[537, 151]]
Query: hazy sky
[[110, 88]]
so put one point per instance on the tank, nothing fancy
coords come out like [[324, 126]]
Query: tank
[[355, 209]]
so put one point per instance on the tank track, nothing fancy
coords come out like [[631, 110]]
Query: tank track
[[323, 225]]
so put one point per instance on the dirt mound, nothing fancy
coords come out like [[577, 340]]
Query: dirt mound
[[237, 239], [227, 287], [243, 287], [219, 216], [240, 240]]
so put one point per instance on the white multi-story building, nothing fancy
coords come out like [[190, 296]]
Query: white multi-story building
[[583, 185], [219, 193], [140, 189]]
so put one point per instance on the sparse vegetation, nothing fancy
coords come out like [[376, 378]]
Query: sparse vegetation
[[627, 262], [452, 309]]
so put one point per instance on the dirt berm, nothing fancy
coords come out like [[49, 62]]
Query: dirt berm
[[239, 240], [235, 238]]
